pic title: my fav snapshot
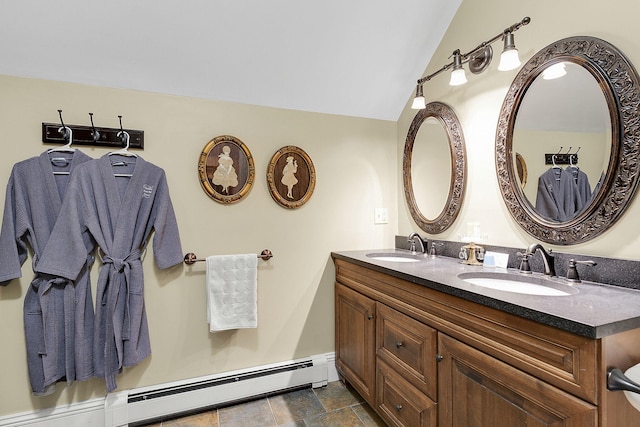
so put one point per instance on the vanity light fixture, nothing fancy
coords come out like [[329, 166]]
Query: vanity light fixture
[[458, 76], [477, 59], [509, 59]]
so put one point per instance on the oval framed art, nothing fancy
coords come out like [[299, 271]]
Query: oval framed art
[[226, 169], [291, 177]]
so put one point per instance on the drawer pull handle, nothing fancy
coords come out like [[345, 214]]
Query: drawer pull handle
[[398, 407], [399, 344], [370, 316]]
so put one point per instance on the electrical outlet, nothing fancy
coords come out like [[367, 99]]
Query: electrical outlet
[[380, 216]]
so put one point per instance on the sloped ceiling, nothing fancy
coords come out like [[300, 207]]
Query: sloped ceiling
[[348, 57]]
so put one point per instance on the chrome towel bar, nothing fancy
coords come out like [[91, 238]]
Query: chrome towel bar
[[191, 258]]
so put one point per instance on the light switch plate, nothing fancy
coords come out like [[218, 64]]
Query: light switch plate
[[380, 216]]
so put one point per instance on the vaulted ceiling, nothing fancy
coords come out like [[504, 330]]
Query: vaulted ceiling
[[356, 58]]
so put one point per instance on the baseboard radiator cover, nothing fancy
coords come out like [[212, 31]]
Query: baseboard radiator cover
[[148, 403]]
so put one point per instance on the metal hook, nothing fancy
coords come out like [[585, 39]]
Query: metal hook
[[122, 133], [64, 130], [94, 132]]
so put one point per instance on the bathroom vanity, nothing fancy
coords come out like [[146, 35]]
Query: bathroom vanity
[[426, 348]]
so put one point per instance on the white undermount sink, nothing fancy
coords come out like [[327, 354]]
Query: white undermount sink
[[394, 257], [518, 283], [633, 373]]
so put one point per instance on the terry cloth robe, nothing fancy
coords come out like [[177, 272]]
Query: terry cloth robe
[[119, 213], [557, 195], [583, 187], [58, 315]]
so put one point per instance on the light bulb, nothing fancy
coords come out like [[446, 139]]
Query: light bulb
[[509, 60], [458, 77], [554, 72]]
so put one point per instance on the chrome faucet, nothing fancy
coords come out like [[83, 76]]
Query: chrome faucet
[[547, 259], [412, 241]]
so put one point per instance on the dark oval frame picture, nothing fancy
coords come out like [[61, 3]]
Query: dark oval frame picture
[[291, 177], [226, 169]]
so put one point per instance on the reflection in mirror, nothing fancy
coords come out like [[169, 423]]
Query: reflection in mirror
[[434, 168], [566, 117], [591, 111], [430, 168]]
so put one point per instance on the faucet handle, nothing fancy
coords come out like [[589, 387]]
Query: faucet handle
[[572, 272], [524, 263], [433, 252]]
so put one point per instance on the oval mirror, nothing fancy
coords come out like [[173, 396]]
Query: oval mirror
[[577, 134], [434, 168]]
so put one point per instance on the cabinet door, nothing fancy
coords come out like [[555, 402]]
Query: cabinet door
[[355, 340], [480, 391]]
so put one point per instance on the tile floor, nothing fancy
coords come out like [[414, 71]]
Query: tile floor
[[334, 405]]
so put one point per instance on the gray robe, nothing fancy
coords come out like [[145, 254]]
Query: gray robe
[[119, 213], [58, 314], [583, 188], [557, 197]]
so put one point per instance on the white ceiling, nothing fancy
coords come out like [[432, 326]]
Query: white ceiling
[[349, 57]]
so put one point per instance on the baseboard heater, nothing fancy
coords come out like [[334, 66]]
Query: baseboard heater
[[152, 403]]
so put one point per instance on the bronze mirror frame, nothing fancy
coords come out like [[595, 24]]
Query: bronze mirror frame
[[619, 82], [447, 117]]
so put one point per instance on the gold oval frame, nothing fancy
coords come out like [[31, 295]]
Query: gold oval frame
[[237, 172], [304, 174]]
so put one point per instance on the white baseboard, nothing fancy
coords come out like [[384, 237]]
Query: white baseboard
[[116, 410]]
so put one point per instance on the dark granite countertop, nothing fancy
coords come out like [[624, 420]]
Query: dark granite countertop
[[596, 311]]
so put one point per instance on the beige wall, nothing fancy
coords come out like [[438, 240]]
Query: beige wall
[[478, 104], [358, 168], [355, 161]]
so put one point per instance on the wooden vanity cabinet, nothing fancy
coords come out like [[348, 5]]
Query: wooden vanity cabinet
[[479, 390], [422, 358]]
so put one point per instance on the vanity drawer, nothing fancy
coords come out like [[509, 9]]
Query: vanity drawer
[[400, 403], [409, 347]]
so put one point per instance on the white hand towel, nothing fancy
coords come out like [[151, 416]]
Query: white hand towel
[[232, 292]]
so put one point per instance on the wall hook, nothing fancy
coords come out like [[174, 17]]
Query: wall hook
[[94, 132], [121, 134], [64, 130]]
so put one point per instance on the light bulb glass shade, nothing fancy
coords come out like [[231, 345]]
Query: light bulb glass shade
[[509, 60], [419, 103], [458, 77], [555, 71]]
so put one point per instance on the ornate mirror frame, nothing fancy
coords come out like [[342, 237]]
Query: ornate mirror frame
[[447, 117], [620, 85]]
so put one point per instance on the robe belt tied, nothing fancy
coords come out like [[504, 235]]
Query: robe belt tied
[[123, 265], [114, 357]]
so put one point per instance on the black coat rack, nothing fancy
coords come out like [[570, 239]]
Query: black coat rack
[[53, 133]]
